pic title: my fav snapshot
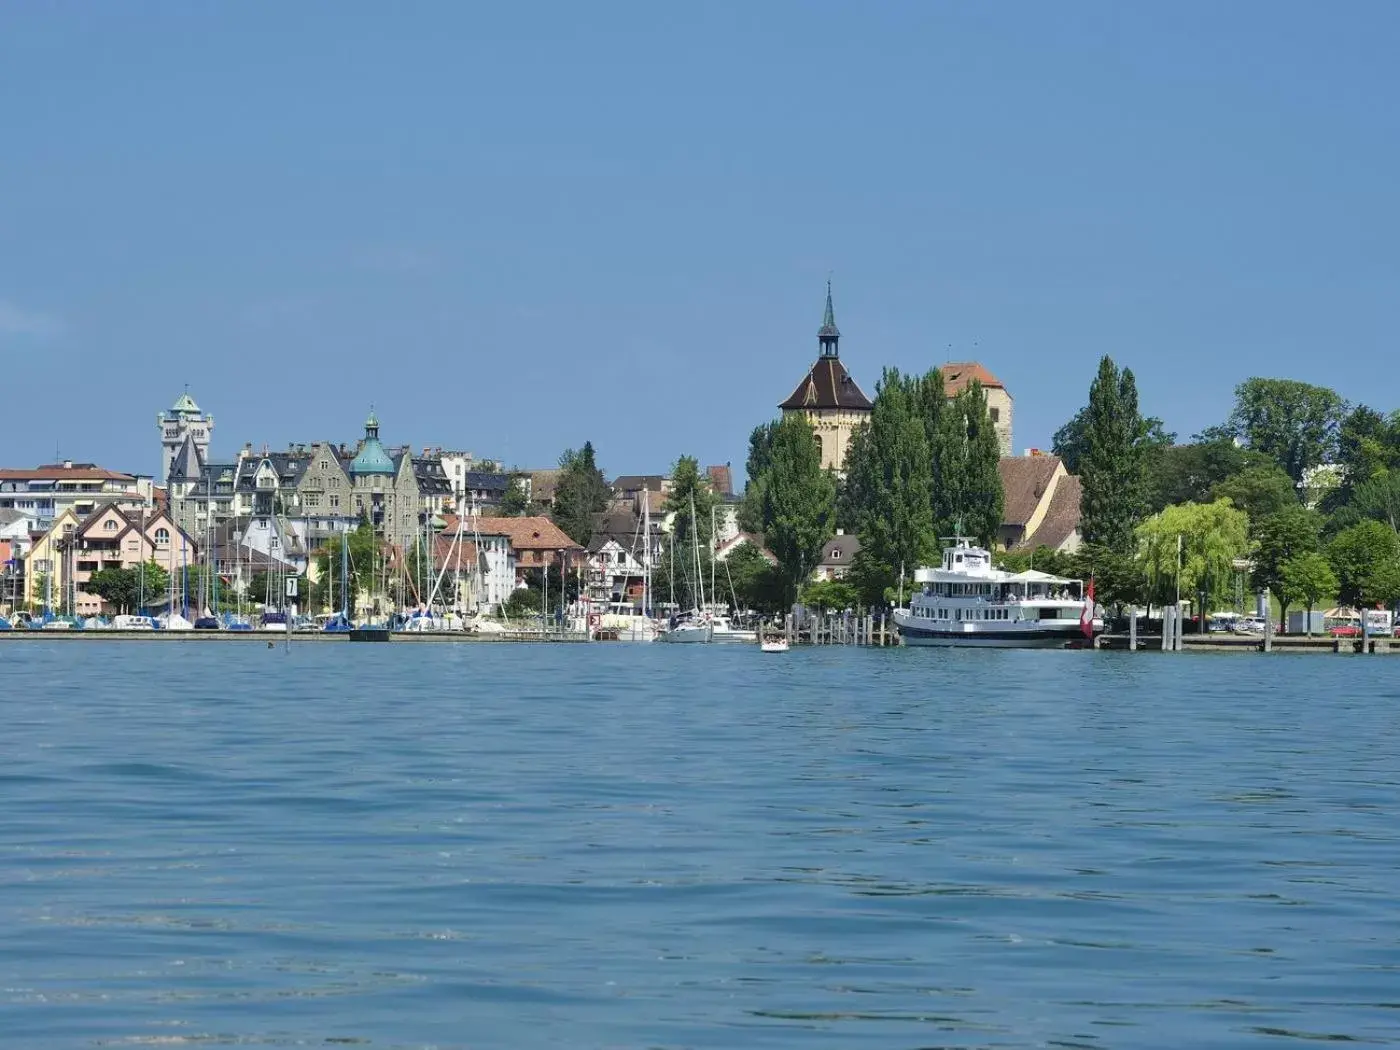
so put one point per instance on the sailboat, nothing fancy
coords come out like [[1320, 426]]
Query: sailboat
[[340, 622], [621, 623], [696, 626]]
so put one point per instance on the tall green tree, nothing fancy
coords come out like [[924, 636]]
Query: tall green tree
[[852, 491], [1296, 424], [1308, 578], [1181, 473], [363, 549], [1070, 441], [690, 490], [1111, 467], [896, 520], [1210, 537], [981, 499], [1368, 445], [1278, 539], [580, 492], [755, 469], [1366, 559], [945, 430], [757, 584], [799, 503], [1379, 498], [1261, 490], [515, 503]]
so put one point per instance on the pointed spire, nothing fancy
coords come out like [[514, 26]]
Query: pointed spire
[[828, 335]]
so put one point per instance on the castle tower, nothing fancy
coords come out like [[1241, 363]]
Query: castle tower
[[828, 397], [182, 419]]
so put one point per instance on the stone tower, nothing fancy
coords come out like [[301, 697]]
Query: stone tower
[[181, 420], [828, 397]]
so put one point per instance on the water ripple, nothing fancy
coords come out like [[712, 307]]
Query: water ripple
[[613, 846]]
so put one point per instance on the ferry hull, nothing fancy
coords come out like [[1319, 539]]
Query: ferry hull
[[1026, 638]]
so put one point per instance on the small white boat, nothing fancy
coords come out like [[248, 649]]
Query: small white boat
[[775, 644], [127, 622]]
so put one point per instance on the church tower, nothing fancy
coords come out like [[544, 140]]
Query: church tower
[[180, 421], [828, 397]]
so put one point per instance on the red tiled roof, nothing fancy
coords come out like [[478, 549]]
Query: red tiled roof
[[958, 374], [828, 385]]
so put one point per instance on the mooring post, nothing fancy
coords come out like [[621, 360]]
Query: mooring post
[[1269, 632], [1132, 631], [1166, 628]]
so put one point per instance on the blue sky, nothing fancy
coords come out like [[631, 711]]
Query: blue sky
[[514, 227]]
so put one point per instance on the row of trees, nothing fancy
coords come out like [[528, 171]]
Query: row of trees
[[1296, 485]]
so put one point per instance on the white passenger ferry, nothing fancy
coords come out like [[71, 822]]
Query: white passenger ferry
[[967, 601]]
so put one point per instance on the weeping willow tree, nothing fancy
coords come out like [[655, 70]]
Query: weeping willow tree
[[1203, 539]]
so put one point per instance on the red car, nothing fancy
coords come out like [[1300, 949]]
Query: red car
[[1345, 630]]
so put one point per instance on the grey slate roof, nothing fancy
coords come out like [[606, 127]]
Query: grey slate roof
[[188, 462]]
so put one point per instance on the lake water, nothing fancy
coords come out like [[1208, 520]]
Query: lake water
[[662, 847]]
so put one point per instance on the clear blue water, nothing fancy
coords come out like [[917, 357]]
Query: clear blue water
[[630, 846]]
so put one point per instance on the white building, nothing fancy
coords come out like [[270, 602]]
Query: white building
[[182, 419]]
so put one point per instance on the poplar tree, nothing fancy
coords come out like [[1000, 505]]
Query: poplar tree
[[1111, 464], [799, 503], [580, 492], [982, 498], [946, 437], [896, 522]]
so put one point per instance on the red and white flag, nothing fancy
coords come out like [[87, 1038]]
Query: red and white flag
[[1086, 618]]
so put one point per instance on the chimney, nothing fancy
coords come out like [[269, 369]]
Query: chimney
[[67, 464]]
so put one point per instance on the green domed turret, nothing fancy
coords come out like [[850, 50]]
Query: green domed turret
[[371, 459]]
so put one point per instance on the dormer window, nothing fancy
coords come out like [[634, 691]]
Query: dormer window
[[109, 525], [835, 553], [163, 537]]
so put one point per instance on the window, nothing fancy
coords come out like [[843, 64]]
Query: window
[[335, 503], [162, 537], [995, 413], [313, 499], [835, 553], [110, 525]]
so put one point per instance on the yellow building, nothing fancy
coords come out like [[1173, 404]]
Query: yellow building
[[828, 397]]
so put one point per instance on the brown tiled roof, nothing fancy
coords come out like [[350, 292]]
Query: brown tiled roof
[[1063, 516], [1024, 480], [533, 533], [828, 385], [958, 374]]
